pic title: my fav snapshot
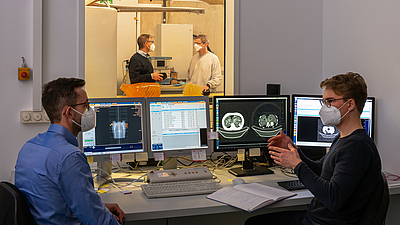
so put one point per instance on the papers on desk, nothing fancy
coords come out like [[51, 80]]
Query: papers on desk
[[250, 197]]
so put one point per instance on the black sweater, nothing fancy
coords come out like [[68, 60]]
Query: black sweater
[[140, 69], [342, 180]]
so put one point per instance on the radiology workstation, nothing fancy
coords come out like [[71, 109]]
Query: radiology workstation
[[153, 137]]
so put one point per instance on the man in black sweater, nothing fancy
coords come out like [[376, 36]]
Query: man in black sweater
[[140, 68], [345, 177]]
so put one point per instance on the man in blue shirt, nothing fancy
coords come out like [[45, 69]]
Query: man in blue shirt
[[51, 170]]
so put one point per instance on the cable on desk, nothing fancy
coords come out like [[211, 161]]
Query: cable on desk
[[288, 172], [185, 159], [112, 180], [134, 170], [120, 187]]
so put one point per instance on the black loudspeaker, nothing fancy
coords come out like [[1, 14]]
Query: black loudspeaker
[[273, 89]]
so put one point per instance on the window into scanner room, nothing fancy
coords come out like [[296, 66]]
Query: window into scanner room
[[110, 39]]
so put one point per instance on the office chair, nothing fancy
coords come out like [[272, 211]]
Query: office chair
[[14, 208], [377, 206]]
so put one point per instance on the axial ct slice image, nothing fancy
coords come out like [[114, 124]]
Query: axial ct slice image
[[265, 120], [328, 132], [233, 126]]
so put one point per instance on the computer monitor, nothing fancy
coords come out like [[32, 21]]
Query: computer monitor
[[178, 125], [307, 127], [119, 127], [245, 122]]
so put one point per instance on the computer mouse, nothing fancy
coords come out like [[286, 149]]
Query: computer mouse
[[238, 181]]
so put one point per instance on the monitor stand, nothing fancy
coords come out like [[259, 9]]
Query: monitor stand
[[170, 163], [102, 177], [248, 169]]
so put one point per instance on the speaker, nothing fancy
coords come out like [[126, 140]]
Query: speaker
[[273, 89]]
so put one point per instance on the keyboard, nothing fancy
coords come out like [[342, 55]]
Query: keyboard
[[292, 185], [180, 188]]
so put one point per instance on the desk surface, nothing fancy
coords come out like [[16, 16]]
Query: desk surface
[[138, 207]]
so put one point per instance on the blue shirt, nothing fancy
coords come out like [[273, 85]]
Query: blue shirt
[[56, 179]]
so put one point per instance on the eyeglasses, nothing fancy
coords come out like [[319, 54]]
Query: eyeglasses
[[198, 43], [328, 102], [85, 104], [151, 41]]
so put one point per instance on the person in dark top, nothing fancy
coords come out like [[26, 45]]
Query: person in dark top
[[140, 68], [345, 177]]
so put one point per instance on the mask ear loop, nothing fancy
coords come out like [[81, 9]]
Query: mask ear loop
[[74, 120], [347, 110]]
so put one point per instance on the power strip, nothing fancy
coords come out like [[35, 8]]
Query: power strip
[[199, 173]]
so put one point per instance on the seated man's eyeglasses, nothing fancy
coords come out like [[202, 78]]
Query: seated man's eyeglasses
[[328, 102], [85, 104]]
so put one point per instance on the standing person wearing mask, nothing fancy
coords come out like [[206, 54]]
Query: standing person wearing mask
[[140, 68], [344, 179], [53, 172], [204, 68]]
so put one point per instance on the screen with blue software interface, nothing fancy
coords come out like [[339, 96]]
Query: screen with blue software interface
[[308, 129], [119, 127], [178, 123]]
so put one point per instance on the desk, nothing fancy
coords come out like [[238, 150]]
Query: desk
[[199, 210]]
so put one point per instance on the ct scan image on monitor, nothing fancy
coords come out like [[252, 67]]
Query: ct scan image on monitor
[[245, 122], [119, 127], [248, 121]]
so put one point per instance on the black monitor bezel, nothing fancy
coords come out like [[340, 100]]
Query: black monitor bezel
[[248, 96]]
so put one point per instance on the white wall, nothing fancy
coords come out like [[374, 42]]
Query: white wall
[[62, 57], [363, 36], [278, 42], [101, 52]]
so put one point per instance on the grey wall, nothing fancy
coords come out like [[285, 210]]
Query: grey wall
[[63, 52], [363, 36], [278, 42]]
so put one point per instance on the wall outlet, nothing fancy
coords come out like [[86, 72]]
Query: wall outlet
[[33, 117]]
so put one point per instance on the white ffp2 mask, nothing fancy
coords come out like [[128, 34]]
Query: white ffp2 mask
[[331, 116], [152, 47], [88, 120], [197, 47]]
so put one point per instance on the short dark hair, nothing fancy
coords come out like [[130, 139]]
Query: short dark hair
[[142, 40], [349, 85], [59, 93], [204, 38]]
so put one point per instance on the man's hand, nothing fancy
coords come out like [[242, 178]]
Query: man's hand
[[157, 76], [204, 88], [281, 140], [116, 211], [288, 158]]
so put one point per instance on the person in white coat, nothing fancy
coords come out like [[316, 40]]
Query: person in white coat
[[204, 68]]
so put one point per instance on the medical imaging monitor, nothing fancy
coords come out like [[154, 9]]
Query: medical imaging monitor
[[307, 127], [246, 122], [178, 125], [120, 127]]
